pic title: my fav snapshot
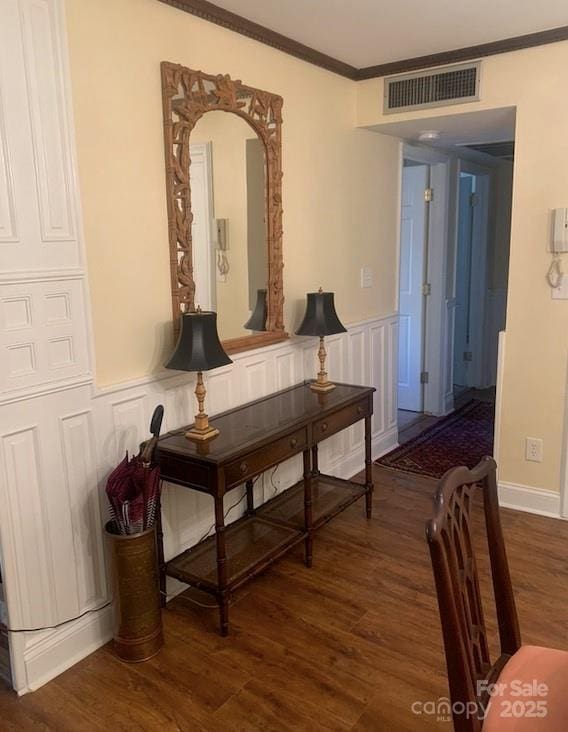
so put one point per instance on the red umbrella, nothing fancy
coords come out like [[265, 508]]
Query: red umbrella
[[133, 487]]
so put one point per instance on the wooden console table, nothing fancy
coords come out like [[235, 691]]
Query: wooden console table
[[253, 438]]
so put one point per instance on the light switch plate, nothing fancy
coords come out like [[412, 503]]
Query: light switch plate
[[366, 277]]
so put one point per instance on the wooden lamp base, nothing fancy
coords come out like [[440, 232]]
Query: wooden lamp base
[[202, 435], [322, 383], [201, 430], [322, 387]]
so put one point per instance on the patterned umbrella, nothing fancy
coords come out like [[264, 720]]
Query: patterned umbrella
[[133, 487]]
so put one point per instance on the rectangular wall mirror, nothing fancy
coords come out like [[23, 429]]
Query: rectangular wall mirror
[[223, 176]]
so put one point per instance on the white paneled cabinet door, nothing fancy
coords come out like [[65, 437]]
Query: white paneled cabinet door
[[413, 244]]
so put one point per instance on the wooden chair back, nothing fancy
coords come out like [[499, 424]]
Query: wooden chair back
[[449, 535]]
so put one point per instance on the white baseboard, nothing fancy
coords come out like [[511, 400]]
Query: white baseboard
[[57, 651], [384, 443], [529, 499]]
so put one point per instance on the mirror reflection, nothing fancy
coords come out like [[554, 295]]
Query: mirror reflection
[[230, 250]]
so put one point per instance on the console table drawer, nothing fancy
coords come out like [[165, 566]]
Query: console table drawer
[[256, 462], [340, 420]]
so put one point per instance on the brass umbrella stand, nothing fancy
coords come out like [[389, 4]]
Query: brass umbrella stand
[[133, 490]]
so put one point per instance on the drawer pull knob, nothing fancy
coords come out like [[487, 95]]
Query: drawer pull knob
[[359, 410], [324, 427], [293, 442], [244, 467]]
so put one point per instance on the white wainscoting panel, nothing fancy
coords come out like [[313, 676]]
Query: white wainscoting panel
[[37, 183], [77, 437], [8, 226], [25, 522], [42, 333]]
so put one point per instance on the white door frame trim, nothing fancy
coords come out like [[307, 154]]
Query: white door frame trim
[[437, 251], [483, 174]]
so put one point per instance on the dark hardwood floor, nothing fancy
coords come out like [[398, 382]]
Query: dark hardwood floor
[[347, 645]]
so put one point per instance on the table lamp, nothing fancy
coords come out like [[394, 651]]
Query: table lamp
[[257, 320], [321, 320], [199, 349]]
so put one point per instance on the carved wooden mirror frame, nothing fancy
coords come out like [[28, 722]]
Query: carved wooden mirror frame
[[187, 95]]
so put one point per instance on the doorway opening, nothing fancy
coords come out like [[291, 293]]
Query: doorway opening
[[471, 367], [453, 273]]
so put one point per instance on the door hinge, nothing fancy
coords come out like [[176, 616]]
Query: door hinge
[[467, 356], [429, 195], [424, 377], [426, 288], [473, 199]]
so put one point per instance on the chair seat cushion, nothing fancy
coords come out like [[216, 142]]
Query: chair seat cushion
[[531, 693]]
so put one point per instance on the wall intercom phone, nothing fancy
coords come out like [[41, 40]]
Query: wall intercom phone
[[558, 245], [221, 231]]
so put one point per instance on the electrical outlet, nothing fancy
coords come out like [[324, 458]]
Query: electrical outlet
[[533, 449]]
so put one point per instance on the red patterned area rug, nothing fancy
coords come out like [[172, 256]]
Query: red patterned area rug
[[462, 438]]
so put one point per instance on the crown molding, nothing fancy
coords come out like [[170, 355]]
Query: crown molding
[[214, 14], [506, 45], [237, 23]]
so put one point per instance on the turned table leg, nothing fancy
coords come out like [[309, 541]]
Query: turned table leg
[[368, 469], [250, 497], [315, 467], [308, 508], [222, 595]]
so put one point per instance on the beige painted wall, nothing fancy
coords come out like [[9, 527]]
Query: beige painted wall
[[534, 389], [340, 187]]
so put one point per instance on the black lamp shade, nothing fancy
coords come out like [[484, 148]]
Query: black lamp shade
[[198, 347], [257, 320], [320, 318]]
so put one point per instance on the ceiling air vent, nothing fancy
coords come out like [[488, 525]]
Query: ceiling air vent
[[452, 85]]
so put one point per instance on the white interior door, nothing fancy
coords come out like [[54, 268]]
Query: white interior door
[[413, 245], [202, 207]]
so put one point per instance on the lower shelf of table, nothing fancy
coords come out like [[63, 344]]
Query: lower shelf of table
[[251, 544], [330, 496], [255, 542]]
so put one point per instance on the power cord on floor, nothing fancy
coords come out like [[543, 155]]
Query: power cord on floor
[[188, 599], [57, 625], [227, 512]]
